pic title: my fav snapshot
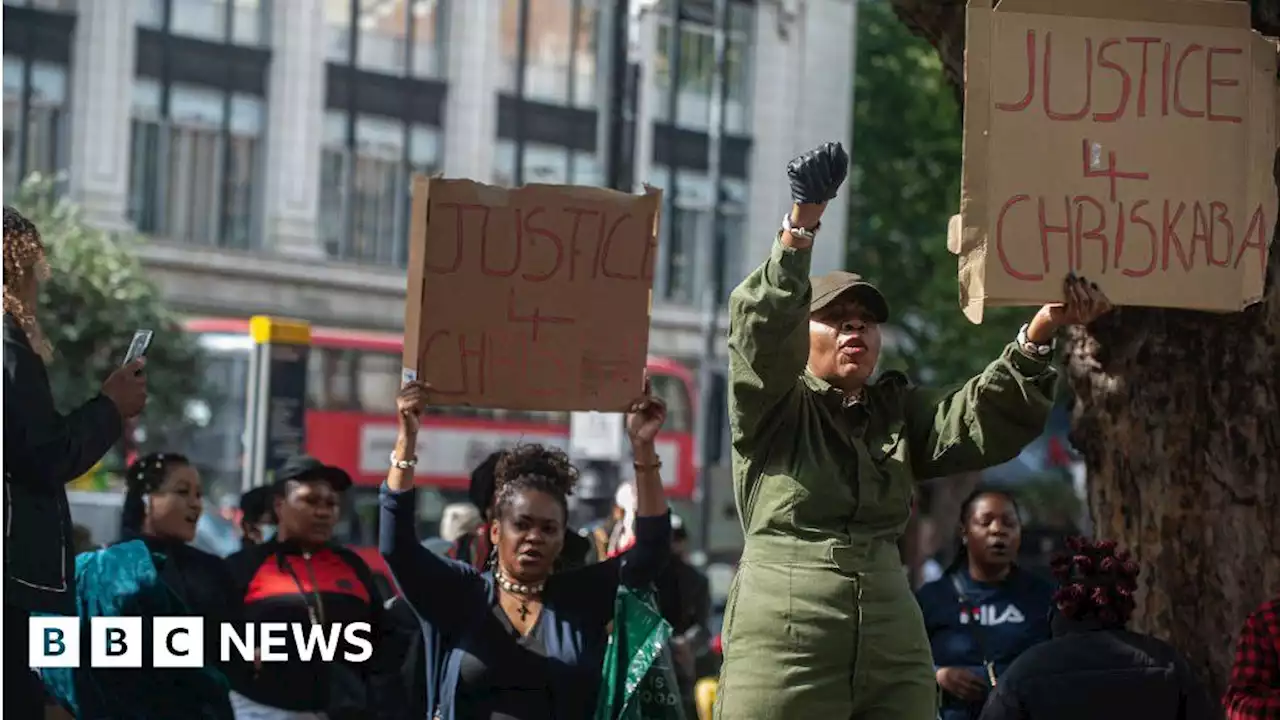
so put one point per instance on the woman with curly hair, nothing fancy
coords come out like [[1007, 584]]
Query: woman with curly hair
[[517, 641], [1093, 667], [43, 451]]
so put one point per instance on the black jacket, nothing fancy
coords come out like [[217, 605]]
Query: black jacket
[[43, 451], [279, 582], [1101, 673]]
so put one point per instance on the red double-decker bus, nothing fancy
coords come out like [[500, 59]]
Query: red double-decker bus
[[352, 381]]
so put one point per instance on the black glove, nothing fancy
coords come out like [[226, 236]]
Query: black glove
[[818, 174]]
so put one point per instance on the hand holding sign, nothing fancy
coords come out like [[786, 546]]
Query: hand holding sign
[[645, 418], [1085, 302], [410, 404]]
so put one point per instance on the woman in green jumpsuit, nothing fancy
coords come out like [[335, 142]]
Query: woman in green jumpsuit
[[821, 622]]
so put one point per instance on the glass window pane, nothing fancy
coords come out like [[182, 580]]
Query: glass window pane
[[547, 73], [13, 74], [335, 129], [584, 58], [150, 13], [509, 39], [195, 106], [429, 37], [384, 34], [673, 391], [249, 25], [732, 257], [377, 378], [146, 98], [192, 188], [586, 170], [424, 148], [48, 83], [12, 118], [200, 18], [337, 20], [504, 163], [333, 189], [546, 164], [237, 223], [682, 257], [45, 122], [379, 137], [248, 112]]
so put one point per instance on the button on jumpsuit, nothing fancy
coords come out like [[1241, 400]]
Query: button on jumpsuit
[[821, 622]]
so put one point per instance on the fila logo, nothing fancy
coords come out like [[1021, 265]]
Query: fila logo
[[989, 615]]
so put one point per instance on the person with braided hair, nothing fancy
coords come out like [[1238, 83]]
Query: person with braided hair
[[519, 641], [821, 621], [1094, 667], [151, 572], [43, 451]]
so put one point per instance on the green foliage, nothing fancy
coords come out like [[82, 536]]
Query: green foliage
[[905, 185], [97, 294]]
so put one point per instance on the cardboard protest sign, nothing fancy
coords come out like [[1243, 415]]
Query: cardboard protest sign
[[1131, 142], [536, 298]]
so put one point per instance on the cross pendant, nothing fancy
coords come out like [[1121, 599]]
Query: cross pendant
[[524, 611]]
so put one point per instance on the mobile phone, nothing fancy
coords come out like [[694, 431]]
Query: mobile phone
[[138, 346]]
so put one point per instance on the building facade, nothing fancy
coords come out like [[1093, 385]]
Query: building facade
[[266, 147]]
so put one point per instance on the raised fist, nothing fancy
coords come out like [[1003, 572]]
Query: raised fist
[[818, 174]]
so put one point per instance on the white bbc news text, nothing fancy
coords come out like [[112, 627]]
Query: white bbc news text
[[178, 642]]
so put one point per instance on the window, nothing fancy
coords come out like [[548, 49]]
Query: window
[[690, 227], [377, 380], [242, 22], [698, 70], [547, 164], [365, 185], [67, 6], [195, 164], [393, 37], [35, 97], [675, 393], [560, 41]]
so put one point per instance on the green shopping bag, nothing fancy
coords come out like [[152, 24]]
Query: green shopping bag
[[638, 681]]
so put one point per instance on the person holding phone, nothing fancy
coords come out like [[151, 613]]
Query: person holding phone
[[43, 451]]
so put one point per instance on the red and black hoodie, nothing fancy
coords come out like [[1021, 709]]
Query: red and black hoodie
[[280, 582]]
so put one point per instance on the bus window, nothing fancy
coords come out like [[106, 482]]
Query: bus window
[[377, 381], [673, 391], [331, 379]]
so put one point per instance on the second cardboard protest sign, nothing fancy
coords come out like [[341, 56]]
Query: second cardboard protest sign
[[535, 298], [1129, 142]]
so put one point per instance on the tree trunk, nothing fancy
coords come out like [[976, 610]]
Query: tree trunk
[[1177, 415]]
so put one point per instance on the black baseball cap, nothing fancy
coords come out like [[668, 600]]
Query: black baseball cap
[[257, 502], [826, 288], [304, 468]]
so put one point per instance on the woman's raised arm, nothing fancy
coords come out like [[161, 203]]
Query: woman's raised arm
[[439, 589], [769, 310]]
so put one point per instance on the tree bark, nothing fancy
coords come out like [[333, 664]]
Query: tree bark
[[1177, 415]]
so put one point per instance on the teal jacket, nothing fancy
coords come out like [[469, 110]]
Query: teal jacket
[[127, 580]]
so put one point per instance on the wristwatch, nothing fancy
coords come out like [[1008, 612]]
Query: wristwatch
[[1030, 348], [403, 464], [803, 233]]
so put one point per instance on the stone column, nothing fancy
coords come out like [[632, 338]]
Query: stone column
[[474, 64], [295, 117], [814, 42], [102, 73]]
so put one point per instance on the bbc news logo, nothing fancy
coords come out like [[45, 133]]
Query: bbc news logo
[[179, 642]]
